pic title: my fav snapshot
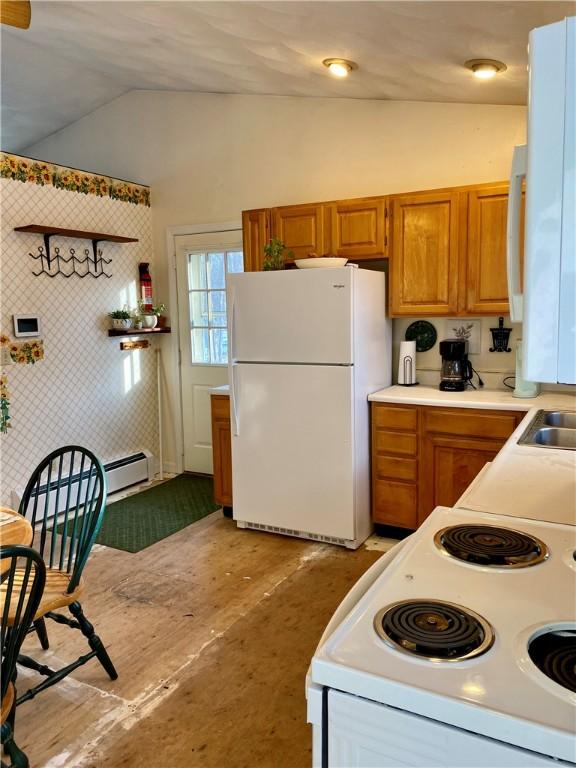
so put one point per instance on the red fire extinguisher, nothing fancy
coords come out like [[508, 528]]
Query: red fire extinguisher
[[145, 285]]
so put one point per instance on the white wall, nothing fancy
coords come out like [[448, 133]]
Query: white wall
[[209, 156]]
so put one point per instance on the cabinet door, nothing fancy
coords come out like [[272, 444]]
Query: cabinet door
[[486, 280], [301, 228], [425, 253], [256, 234], [449, 466], [358, 228], [222, 450], [456, 443]]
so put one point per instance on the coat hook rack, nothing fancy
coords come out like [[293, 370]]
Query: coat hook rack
[[50, 262]]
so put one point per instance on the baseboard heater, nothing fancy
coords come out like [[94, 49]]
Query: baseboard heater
[[120, 473]]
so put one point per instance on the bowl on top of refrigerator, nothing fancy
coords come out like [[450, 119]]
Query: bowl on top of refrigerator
[[314, 261]]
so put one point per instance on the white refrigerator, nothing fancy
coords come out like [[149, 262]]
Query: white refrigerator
[[306, 349]]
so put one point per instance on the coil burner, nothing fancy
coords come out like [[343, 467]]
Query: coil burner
[[434, 630], [491, 546], [554, 653]]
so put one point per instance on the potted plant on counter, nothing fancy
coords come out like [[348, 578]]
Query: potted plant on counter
[[121, 319], [150, 314]]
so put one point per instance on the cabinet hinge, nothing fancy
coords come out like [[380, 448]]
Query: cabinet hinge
[[385, 213]]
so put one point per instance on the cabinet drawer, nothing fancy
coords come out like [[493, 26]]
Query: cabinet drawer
[[397, 443], [393, 417], [395, 468], [395, 504], [221, 407], [488, 424]]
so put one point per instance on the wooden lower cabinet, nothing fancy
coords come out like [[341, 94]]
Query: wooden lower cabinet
[[395, 465], [222, 449], [426, 456]]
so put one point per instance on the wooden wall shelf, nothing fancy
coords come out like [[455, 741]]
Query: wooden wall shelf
[[40, 229], [136, 331], [80, 234]]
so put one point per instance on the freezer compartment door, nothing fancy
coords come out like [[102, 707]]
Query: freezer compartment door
[[291, 316], [293, 453]]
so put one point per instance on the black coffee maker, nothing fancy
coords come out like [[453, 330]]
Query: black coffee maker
[[456, 368]]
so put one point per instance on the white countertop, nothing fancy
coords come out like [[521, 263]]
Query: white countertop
[[223, 389], [527, 481], [481, 398]]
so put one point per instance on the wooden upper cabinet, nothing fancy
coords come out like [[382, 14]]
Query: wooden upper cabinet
[[425, 253], [301, 228], [256, 234], [485, 270], [358, 227]]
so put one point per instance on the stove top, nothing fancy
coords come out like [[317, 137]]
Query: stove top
[[434, 630], [491, 546], [500, 685], [554, 653]]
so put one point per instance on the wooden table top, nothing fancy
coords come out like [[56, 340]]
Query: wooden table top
[[14, 529]]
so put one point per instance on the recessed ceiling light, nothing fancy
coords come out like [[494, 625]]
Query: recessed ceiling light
[[340, 67], [485, 69]]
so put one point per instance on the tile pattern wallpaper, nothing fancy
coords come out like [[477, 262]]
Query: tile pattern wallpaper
[[85, 390]]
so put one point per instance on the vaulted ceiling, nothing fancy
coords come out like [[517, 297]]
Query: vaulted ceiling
[[79, 55]]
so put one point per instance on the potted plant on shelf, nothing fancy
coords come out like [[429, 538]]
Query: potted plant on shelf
[[149, 315], [274, 255], [121, 319]]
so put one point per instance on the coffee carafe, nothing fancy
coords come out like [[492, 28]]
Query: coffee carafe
[[456, 368]]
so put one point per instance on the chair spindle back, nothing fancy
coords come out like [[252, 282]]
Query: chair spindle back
[[65, 501], [23, 579]]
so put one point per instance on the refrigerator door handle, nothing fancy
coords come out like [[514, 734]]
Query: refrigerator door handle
[[513, 234], [233, 400], [232, 330], [232, 363]]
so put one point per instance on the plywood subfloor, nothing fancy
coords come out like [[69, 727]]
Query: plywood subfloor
[[211, 631]]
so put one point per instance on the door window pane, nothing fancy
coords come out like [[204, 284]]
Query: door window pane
[[217, 304], [197, 270], [216, 270], [219, 345], [200, 345], [198, 309], [207, 272], [235, 261]]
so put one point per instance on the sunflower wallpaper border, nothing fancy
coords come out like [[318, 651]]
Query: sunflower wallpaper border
[[32, 171]]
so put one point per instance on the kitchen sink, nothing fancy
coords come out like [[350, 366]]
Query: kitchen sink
[[556, 437], [551, 429], [560, 419]]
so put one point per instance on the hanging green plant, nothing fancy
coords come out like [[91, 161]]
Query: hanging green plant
[[274, 255], [4, 405]]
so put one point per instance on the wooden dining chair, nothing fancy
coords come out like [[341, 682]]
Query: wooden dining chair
[[22, 578], [65, 500]]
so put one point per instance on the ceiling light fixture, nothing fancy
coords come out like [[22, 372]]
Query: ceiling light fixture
[[485, 69], [340, 67]]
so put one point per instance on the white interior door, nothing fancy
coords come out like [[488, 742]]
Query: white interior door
[[202, 264]]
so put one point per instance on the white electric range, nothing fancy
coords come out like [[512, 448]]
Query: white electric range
[[435, 660]]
